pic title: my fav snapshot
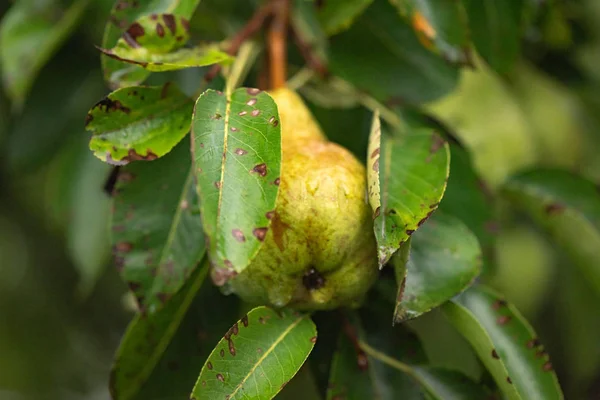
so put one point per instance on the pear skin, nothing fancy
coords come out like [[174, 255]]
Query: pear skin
[[320, 252]]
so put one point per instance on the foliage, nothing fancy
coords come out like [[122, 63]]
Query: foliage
[[476, 123]]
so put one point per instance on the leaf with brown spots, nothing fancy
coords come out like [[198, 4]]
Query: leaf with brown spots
[[159, 355], [238, 157], [567, 206], [440, 26], [505, 343], [445, 259], [162, 240], [125, 13], [138, 123], [239, 368], [406, 182], [155, 42]]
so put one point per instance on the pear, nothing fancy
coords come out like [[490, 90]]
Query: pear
[[320, 251]]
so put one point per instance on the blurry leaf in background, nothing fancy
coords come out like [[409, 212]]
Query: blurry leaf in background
[[568, 207], [155, 43], [382, 56], [487, 120], [505, 343], [302, 387], [139, 123], [496, 31], [88, 230], [444, 260], [338, 15], [156, 231], [441, 26], [30, 33], [236, 146], [124, 13], [259, 354]]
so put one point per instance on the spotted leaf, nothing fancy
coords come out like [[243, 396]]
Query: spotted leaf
[[139, 123], [412, 167], [156, 230], [505, 343], [440, 26], [444, 260], [568, 207], [155, 43], [257, 356], [123, 15], [236, 142]]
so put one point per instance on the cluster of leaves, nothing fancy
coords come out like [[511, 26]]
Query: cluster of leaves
[[209, 198]]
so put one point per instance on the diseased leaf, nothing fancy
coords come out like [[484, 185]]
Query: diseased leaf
[[568, 207], [30, 34], [444, 260], [160, 354], [337, 15], [138, 123], [157, 233], [505, 343], [440, 25], [125, 13], [381, 55], [155, 43], [413, 167], [496, 31], [236, 142], [257, 356]]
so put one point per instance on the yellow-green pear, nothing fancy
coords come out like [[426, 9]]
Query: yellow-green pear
[[320, 251]]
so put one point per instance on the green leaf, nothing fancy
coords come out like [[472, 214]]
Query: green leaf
[[382, 56], [406, 181], [157, 233], [441, 26], [568, 207], [154, 42], [505, 343], [123, 15], [236, 142], [336, 16], [444, 260], [257, 356], [160, 353], [496, 31], [138, 123], [30, 33]]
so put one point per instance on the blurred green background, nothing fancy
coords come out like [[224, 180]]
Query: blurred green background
[[63, 307]]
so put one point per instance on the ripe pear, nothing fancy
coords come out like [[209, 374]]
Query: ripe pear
[[320, 251]]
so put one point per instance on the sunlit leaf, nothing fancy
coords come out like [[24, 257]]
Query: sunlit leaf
[[444, 260], [568, 207], [156, 230], [139, 123], [236, 142], [125, 13], [257, 356], [30, 33], [412, 167], [382, 56], [337, 15], [440, 25], [155, 43], [505, 343]]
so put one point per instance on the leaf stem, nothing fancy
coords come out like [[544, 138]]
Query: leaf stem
[[384, 358], [277, 39]]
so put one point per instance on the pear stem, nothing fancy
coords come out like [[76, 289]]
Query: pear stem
[[277, 40]]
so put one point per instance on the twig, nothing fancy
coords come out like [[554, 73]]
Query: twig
[[253, 25], [277, 39], [384, 358], [306, 49]]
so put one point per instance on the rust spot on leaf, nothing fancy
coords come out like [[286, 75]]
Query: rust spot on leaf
[[535, 342], [132, 155], [238, 235], [245, 320], [186, 24], [222, 353], [260, 169], [220, 377], [437, 142], [554, 208], [377, 212], [170, 22], [253, 91], [135, 31], [123, 247], [220, 276], [260, 233], [376, 166], [209, 365], [251, 102], [160, 30], [255, 113], [503, 320], [234, 129], [509, 380], [363, 361], [495, 355], [88, 118], [270, 215], [277, 181], [112, 105], [498, 304], [410, 231], [240, 152], [218, 185], [273, 121], [547, 366], [375, 153], [242, 113], [313, 339]]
